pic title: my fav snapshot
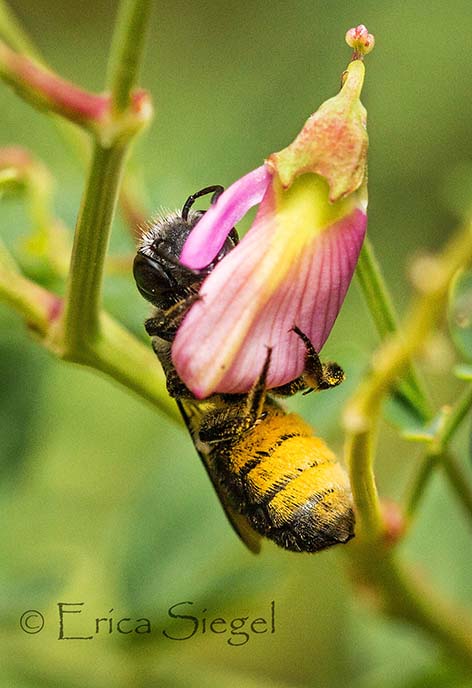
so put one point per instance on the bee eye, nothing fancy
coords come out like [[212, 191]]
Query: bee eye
[[150, 278]]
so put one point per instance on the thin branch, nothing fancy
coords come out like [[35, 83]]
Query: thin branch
[[458, 482], [397, 586], [394, 355], [454, 419], [381, 307], [38, 306], [81, 318], [117, 353], [402, 594], [18, 39], [46, 90], [417, 488], [124, 358], [438, 454], [127, 51], [13, 33]]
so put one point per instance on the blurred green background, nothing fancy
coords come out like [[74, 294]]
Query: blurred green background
[[102, 500]]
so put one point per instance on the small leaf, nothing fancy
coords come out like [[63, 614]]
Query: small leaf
[[460, 313]]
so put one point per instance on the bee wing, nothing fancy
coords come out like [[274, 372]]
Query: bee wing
[[191, 413]]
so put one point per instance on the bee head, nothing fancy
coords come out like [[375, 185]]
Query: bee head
[[160, 277]]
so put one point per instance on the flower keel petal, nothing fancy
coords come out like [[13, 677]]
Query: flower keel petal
[[210, 232]]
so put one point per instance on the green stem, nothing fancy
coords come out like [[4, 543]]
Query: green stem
[[369, 526], [404, 596], [383, 312], [457, 481], [375, 291], [397, 587], [439, 455], [127, 51], [18, 39], [455, 418], [115, 352], [82, 323], [90, 245], [46, 90], [13, 32], [125, 359], [37, 305], [417, 489]]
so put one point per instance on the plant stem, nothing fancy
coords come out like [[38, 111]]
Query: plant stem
[[13, 33], [46, 90], [454, 475], [116, 352], [405, 596], [93, 228], [127, 51], [369, 526], [383, 312], [394, 355], [438, 454], [397, 586], [421, 478], [99, 201], [455, 418], [17, 38], [38, 306], [457, 480], [84, 334], [125, 359]]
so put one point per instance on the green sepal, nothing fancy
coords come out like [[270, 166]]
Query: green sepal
[[333, 142]]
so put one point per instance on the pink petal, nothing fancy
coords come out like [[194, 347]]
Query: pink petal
[[222, 344], [210, 233]]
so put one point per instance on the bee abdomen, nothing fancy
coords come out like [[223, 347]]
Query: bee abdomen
[[294, 492]]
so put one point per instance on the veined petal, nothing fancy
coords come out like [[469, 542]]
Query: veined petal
[[292, 268], [210, 232]]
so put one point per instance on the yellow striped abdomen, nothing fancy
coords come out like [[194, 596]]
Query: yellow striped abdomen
[[289, 484]]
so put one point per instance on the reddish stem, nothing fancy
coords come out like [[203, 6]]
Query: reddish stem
[[46, 88]]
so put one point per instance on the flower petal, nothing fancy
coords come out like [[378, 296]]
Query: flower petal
[[284, 272], [210, 232]]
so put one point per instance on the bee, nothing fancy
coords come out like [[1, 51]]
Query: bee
[[273, 476]]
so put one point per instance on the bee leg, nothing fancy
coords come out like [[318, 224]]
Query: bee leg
[[236, 417], [175, 386], [234, 236], [165, 324], [291, 388], [317, 375], [257, 395]]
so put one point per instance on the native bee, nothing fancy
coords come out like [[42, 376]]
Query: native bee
[[273, 476]]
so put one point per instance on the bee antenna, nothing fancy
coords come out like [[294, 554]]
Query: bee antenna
[[216, 190]]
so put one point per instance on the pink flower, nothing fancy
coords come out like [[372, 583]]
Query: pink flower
[[294, 265]]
